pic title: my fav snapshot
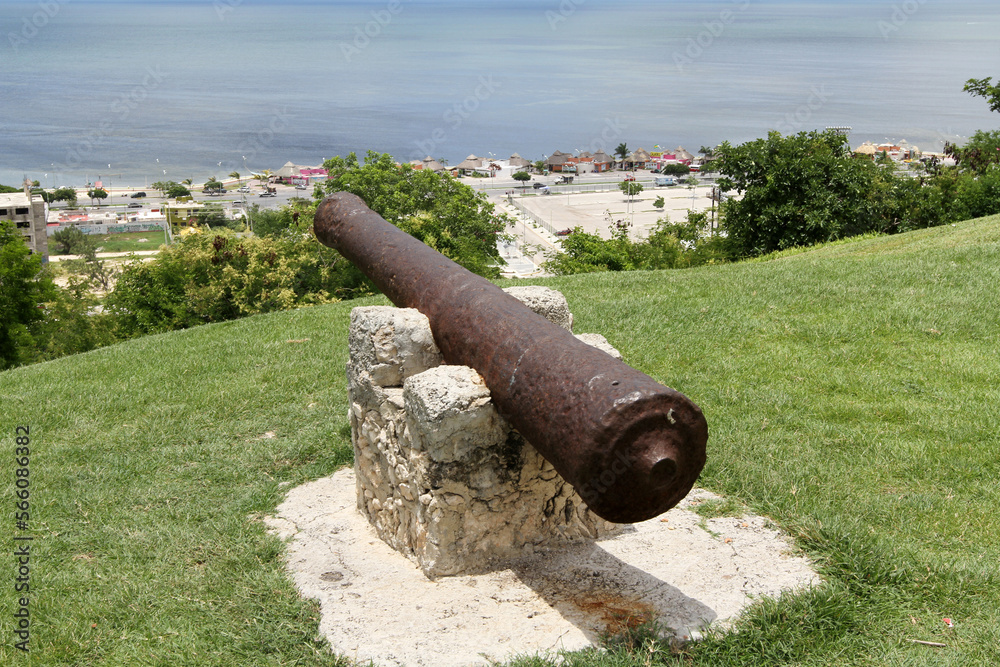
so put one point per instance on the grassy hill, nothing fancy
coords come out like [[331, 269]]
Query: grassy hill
[[851, 392]]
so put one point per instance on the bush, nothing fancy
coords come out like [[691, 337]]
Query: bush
[[669, 246], [24, 287], [71, 241], [73, 324], [675, 169], [213, 277]]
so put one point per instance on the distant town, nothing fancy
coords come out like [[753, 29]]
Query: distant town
[[134, 209]]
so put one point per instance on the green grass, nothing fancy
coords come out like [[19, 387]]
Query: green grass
[[852, 393], [130, 241]]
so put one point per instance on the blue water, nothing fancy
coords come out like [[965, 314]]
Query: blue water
[[180, 87]]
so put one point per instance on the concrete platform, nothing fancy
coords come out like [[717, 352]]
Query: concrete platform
[[679, 570], [588, 209]]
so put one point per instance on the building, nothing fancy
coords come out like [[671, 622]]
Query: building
[[427, 164], [182, 214], [28, 213], [296, 174], [639, 159]]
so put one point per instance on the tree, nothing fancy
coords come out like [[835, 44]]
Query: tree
[[435, 208], [980, 152], [675, 169], [67, 195], [659, 202], [802, 189], [175, 190], [213, 184], [236, 175], [523, 177], [630, 188], [539, 166], [99, 273], [70, 240], [97, 193], [983, 88], [24, 287], [622, 152], [212, 215]]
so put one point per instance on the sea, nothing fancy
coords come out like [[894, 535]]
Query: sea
[[134, 92]]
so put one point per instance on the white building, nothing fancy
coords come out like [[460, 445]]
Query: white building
[[28, 213]]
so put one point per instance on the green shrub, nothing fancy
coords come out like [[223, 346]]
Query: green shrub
[[216, 276], [24, 287], [675, 169]]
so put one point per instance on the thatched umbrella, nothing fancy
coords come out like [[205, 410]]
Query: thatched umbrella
[[867, 148], [640, 156], [517, 161], [682, 155], [470, 163], [288, 170], [557, 159], [602, 158], [430, 164]]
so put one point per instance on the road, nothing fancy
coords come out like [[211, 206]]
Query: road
[[119, 199]]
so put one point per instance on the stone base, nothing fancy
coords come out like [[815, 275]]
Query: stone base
[[679, 570], [440, 475]]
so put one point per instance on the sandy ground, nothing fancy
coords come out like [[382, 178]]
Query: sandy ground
[[592, 210], [678, 570], [108, 255]]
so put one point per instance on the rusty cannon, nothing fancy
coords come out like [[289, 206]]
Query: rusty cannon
[[631, 447]]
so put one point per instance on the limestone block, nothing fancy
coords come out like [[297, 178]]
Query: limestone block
[[449, 411], [545, 301], [441, 476], [391, 344], [600, 342]]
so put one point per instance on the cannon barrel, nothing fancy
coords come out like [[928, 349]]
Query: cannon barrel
[[631, 447]]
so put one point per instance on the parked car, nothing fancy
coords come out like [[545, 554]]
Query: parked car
[[136, 195]]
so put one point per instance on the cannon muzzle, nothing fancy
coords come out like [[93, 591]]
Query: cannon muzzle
[[631, 447]]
